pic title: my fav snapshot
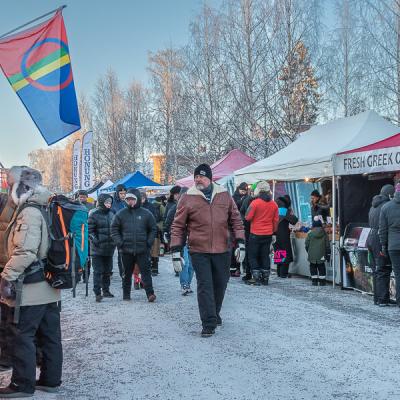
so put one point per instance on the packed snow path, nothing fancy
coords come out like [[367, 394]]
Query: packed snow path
[[285, 341]]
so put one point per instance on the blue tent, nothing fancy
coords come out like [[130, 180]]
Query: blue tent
[[134, 180]]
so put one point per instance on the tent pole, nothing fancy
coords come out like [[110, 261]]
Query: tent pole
[[273, 189], [333, 257]]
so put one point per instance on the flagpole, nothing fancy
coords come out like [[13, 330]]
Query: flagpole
[[34, 20]]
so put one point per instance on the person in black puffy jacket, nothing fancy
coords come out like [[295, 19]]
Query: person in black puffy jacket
[[101, 245], [381, 264], [133, 231]]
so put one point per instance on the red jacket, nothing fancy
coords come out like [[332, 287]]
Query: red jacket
[[263, 215], [207, 225]]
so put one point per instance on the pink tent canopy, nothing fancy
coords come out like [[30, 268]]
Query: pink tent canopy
[[234, 160]]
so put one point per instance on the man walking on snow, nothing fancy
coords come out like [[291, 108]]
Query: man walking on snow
[[207, 214]]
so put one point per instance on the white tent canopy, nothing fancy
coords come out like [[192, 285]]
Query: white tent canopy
[[311, 155]]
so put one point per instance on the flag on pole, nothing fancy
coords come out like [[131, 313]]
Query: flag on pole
[[87, 180], [76, 165], [37, 65]]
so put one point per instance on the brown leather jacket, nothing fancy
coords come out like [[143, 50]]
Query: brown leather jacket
[[208, 225]]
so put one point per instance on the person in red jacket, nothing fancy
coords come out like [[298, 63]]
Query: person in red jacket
[[264, 217]]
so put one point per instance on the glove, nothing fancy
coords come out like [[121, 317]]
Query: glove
[[177, 261], [384, 252], [165, 237], [7, 289], [240, 253]]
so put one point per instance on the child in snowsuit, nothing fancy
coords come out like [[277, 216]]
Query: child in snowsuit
[[317, 247]]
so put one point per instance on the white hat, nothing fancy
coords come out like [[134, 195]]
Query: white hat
[[130, 196]]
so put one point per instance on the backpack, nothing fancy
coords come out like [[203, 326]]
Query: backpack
[[67, 227]]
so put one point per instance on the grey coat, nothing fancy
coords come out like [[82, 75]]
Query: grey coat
[[27, 240], [389, 224]]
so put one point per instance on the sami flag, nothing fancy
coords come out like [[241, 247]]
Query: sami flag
[[37, 65]]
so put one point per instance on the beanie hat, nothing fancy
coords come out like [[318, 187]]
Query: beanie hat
[[387, 190], [315, 193], [82, 193], [253, 186], [203, 170], [398, 188], [262, 186], [243, 186], [120, 188], [317, 223]]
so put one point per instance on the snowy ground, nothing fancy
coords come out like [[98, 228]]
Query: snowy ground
[[285, 341]]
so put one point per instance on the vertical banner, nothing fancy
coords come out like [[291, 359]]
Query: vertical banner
[[76, 165], [87, 161]]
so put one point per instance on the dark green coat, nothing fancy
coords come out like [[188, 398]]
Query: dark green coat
[[317, 245]]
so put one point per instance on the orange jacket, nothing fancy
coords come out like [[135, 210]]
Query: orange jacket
[[263, 215]]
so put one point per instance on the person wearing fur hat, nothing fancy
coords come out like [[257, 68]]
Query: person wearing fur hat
[[317, 247], [205, 216], [389, 235], [133, 230], [283, 243], [264, 218], [39, 313], [7, 208], [382, 264], [101, 246]]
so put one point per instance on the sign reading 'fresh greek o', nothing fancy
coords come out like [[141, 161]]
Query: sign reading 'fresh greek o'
[[381, 160]]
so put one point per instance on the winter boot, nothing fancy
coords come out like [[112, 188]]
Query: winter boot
[[154, 266], [265, 276], [107, 293], [45, 388], [12, 392], [99, 298], [151, 298], [255, 279], [322, 282], [247, 277], [314, 281], [207, 332]]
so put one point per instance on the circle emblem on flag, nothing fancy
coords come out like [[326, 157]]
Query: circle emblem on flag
[[26, 75]]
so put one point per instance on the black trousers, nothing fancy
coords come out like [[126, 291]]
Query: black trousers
[[383, 270], [6, 336], [102, 270], [212, 275], [395, 259], [120, 267], [143, 261], [317, 270], [37, 325], [259, 250]]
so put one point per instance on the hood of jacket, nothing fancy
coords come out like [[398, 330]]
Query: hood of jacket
[[396, 197], [265, 196], [379, 199], [39, 195], [136, 192], [101, 200]]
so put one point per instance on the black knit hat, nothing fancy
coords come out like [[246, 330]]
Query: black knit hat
[[315, 193], [242, 186], [203, 170], [175, 190]]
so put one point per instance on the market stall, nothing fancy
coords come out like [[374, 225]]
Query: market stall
[[312, 159], [133, 180]]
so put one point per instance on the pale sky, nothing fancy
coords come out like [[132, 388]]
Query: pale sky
[[101, 34]]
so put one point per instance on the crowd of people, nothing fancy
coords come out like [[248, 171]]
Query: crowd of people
[[207, 231]]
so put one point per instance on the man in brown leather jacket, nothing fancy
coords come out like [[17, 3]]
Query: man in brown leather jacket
[[208, 214]]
